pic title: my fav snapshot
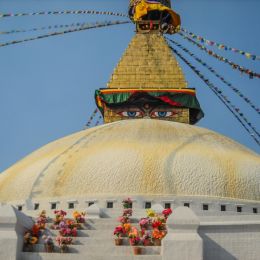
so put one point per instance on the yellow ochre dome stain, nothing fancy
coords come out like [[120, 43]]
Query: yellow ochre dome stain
[[136, 157]]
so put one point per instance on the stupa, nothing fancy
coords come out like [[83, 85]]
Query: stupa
[[150, 150]]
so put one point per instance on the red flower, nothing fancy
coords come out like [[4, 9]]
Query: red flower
[[157, 224], [167, 212]]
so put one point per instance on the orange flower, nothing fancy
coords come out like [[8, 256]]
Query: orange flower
[[33, 240], [127, 227], [76, 214], [158, 234]]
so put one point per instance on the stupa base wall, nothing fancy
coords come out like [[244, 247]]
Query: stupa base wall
[[222, 238], [201, 205]]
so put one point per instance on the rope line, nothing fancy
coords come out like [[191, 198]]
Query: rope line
[[87, 125], [219, 94], [235, 90], [98, 121], [251, 73], [220, 45], [64, 32], [44, 28], [2, 15]]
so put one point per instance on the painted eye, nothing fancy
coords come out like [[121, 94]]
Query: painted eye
[[162, 114], [131, 114]]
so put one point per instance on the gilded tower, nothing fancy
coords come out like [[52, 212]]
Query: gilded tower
[[148, 81]]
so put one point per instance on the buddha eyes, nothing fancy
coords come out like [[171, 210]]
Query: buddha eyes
[[162, 114], [131, 114], [140, 114]]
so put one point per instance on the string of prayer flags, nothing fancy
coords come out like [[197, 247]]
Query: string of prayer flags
[[234, 110], [91, 118], [220, 45], [97, 25], [98, 121], [45, 28], [247, 100], [63, 12], [249, 72]]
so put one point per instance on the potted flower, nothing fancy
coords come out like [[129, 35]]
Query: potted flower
[[29, 240], [71, 224], [167, 213], [68, 228], [158, 224], [42, 220], [157, 236], [127, 203], [48, 244], [144, 223], [63, 243], [150, 213], [123, 219], [135, 241], [126, 227], [68, 232], [59, 216], [146, 237], [79, 217], [118, 232], [127, 213]]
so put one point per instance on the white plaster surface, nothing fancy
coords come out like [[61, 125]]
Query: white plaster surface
[[182, 240], [12, 227], [157, 208], [136, 157], [93, 211], [230, 241]]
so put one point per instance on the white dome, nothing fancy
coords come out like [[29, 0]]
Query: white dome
[[136, 157]]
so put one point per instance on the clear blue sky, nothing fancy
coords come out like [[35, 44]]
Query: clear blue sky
[[47, 86]]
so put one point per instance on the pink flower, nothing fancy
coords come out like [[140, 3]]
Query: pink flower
[[127, 212], [123, 219], [144, 221]]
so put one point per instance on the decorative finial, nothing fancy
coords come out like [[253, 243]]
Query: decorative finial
[[154, 16]]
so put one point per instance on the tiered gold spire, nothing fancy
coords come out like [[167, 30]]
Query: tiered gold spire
[[148, 81], [148, 62]]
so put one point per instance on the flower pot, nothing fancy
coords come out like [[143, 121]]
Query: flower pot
[[137, 250], [28, 248], [49, 248], [64, 249], [118, 241], [79, 226], [148, 242], [132, 243], [157, 242], [145, 226]]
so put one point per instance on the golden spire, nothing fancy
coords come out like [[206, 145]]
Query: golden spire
[[148, 62]]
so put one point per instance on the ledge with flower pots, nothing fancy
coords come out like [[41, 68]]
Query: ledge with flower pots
[[95, 239], [91, 238], [149, 231]]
